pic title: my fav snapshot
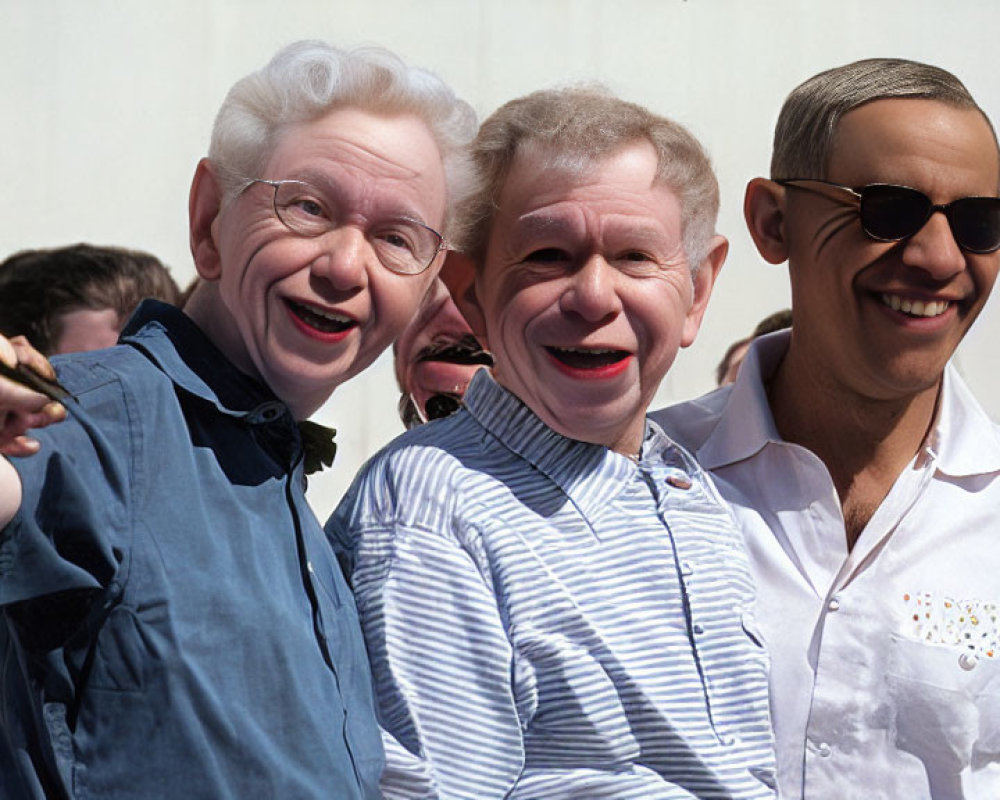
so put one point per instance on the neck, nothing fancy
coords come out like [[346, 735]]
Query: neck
[[864, 442]]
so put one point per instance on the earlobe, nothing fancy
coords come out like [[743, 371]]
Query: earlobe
[[764, 211], [459, 275], [204, 205], [704, 280]]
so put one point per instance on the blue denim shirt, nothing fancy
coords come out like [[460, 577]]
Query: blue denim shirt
[[175, 623]]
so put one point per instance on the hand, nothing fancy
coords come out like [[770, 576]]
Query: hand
[[22, 409]]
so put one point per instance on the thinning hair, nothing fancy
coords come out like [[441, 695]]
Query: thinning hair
[[807, 124], [575, 128], [307, 80], [37, 287]]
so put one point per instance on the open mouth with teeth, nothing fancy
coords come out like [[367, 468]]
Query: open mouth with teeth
[[465, 351], [322, 321], [915, 308], [585, 358]]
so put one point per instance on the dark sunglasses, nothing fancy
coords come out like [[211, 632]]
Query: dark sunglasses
[[892, 213]]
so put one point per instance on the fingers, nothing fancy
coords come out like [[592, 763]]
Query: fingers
[[26, 354], [22, 409]]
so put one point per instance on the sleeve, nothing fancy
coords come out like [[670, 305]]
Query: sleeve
[[442, 666], [64, 545]]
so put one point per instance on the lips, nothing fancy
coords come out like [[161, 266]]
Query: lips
[[319, 323], [589, 362]]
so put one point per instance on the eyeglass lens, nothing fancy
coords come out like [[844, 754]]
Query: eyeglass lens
[[892, 213], [402, 245]]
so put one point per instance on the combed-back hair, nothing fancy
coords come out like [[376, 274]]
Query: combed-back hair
[[575, 128], [807, 123]]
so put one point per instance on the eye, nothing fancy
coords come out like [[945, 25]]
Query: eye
[[547, 255], [397, 237], [310, 207], [636, 262]]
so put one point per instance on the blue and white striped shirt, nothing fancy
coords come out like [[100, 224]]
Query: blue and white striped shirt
[[547, 619]]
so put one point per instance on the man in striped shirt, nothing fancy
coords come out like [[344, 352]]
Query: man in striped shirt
[[556, 603]]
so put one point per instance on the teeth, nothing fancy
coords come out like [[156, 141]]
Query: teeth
[[915, 308], [588, 350], [319, 312]]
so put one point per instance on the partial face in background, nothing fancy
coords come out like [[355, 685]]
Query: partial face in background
[[87, 329], [586, 293], [437, 355], [884, 317], [306, 314]]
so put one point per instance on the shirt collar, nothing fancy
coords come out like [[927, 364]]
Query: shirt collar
[[179, 347], [590, 474], [963, 440], [746, 423]]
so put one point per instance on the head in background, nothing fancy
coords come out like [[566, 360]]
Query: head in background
[[79, 297], [729, 366]]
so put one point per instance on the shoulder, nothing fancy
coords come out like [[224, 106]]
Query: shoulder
[[424, 478]]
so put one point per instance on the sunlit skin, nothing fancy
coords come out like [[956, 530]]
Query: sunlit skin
[[842, 279], [586, 294], [87, 329], [438, 325], [262, 284]]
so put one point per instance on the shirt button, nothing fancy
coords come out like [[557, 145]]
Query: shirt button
[[686, 569], [824, 750], [968, 661], [834, 604], [679, 481], [698, 629], [309, 566]]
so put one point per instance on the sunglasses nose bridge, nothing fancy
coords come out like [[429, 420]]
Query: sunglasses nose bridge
[[933, 247]]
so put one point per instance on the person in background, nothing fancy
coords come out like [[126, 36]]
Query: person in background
[[175, 623], [435, 358], [727, 369], [74, 298], [555, 601], [865, 474]]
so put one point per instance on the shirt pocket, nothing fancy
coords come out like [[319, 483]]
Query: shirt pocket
[[944, 704]]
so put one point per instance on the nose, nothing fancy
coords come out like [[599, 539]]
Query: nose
[[933, 249], [592, 291], [342, 258]]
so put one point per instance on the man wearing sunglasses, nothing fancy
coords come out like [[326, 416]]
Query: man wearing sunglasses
[[865, 475]]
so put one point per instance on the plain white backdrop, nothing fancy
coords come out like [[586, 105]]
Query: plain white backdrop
[[108, 104]]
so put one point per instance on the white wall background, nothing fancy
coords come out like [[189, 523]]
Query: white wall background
[[108, 104]]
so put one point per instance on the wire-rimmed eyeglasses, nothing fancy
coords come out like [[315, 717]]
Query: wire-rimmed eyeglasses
[[403, 245]]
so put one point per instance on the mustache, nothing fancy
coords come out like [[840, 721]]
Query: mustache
[[465, 350]]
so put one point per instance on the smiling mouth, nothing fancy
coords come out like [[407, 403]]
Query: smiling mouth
[[586, 357], [915, 308], [321, 320]]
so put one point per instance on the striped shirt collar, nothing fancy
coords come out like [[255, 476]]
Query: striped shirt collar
[[591, 475]]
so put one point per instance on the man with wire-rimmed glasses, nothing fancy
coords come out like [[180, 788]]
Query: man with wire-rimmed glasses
[[865, 475], [175, 623]]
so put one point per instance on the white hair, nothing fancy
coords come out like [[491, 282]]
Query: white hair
[[308, 79]]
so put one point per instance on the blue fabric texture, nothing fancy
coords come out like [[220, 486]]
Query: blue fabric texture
[[548, 619], [175, 623]]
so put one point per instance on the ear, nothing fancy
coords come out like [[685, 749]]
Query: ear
[[764, 211], [204, 205], [704, 279], [459, 275]]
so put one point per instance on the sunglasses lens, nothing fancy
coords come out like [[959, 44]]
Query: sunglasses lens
[[891, 213], [975, 221]]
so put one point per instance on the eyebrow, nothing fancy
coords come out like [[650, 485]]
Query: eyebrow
[[540, 224], [327, 185]]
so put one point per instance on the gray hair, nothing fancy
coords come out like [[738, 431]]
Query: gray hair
[[807, 124], [308, 79], [576, 127]]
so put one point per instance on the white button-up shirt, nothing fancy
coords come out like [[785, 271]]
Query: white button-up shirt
[[885, 678]]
